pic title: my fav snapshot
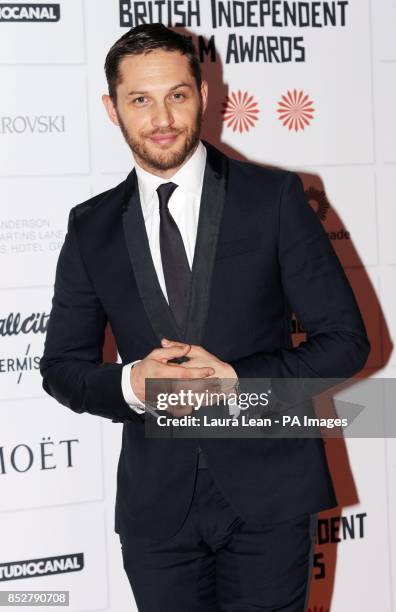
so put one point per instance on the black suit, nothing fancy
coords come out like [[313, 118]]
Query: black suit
[[261, 254]]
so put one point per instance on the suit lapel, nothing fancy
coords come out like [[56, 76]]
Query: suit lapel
[[210, 212], [154, 302]]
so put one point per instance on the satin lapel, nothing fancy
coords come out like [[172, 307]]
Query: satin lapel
[[155, 304], [210, 213]]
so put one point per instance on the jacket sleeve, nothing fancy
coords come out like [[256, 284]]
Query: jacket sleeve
[[71, 365], [317, 291]]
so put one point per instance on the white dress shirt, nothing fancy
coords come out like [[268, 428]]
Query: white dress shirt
[[184, 206]]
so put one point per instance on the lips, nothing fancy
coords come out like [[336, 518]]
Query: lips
[[164, 138]]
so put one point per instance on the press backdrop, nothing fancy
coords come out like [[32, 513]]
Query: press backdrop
[[307, 86]]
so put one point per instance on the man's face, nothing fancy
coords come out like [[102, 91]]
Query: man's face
[[159, 109]]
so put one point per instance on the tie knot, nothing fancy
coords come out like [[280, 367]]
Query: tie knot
[[164, 193]]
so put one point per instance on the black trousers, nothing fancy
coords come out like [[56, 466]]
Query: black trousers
[[218, 563]]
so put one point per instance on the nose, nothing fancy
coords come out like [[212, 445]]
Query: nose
[[162, 116]]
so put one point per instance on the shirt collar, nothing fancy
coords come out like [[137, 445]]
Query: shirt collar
[[189, 177]]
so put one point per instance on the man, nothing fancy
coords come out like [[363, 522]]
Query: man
[[197, 261]]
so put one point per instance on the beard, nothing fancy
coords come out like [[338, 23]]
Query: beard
[[165, 160]]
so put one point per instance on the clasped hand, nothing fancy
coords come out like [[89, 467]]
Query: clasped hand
[[202, 373]]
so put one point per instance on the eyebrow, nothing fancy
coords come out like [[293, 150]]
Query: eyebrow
[[140, 93]]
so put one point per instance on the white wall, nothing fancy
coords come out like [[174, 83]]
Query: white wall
[[57, 148]]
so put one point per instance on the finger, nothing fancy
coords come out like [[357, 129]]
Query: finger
[[203, 372], [168, 353], [195, 350], [165, 342], [179, 411], [179, 371], [178, 361], [196, 385], [194, 362]]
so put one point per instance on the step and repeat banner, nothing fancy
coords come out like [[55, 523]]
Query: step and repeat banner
[[308, 86]]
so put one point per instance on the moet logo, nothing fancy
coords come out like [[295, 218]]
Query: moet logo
[[29, 12]]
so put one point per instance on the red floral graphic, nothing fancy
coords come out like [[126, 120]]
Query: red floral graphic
[[240, 111], [295, 110]]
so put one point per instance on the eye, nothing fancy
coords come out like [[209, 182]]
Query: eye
[[139, 101], [178, 96]]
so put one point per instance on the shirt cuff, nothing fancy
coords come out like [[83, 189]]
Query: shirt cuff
[[127, 391]]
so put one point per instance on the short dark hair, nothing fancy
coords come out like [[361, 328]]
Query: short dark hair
[[143, 39]]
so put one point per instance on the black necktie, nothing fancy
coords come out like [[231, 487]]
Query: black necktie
[[175, 264], [176, 269]]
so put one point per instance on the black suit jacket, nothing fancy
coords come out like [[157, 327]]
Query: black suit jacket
[[261, 253]]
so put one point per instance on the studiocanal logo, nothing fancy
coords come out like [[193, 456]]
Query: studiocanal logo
[[12, 12], [240, 111], [36, 568]]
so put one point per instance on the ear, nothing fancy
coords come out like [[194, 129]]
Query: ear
[[204, 95], [110, 108]]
